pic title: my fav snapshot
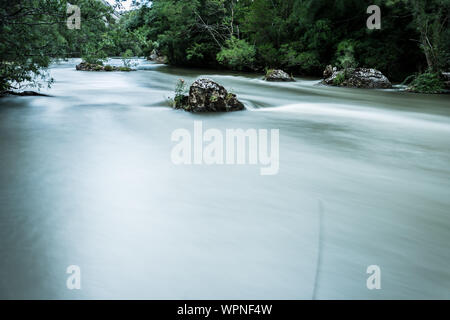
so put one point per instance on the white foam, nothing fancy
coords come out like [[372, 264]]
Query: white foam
[[372, 114]]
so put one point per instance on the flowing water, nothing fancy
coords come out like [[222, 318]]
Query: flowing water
[[86, 179]]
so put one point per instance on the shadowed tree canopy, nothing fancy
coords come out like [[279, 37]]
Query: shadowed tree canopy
[[34, 32], [299, 36]]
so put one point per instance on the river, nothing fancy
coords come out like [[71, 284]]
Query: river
[[86, 179]]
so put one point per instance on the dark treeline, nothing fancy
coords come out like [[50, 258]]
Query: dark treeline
[[299, 36], [34, 32]]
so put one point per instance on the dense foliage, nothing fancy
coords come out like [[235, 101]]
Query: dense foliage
[[427, 83], [34, 32], [299, 36]]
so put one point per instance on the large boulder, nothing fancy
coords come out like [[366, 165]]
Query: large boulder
[[356, 78], [206, 95], [278, 75]]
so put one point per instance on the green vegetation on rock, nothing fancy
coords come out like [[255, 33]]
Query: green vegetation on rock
[[427, 83]]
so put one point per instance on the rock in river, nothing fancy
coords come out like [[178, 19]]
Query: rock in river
[[356, 78], [84, 66], [157, 57], [206, 95], [277, 75]]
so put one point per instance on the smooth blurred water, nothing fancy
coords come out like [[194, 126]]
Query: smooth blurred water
[[86, 179]]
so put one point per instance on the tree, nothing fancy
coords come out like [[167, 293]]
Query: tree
[[432, 21], [237, 54], [34, 32]]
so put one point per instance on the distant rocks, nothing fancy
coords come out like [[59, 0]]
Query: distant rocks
[[157, 57], [356, 78], [278, 76], [328, 72], [205, 95], [446, 77], [84, 66], [23, 94]]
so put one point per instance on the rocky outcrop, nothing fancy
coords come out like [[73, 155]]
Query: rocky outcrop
[[206, 95], [356, 78], [84, 66], [278, 75], [328, 72], [157, 57], [23, 94]]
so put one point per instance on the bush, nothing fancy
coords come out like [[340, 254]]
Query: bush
[[180, 92], [94, 56], [308, 62], [269, 72], [237, 54], [126, 58], [340, 78], [108, 68], [196, 52], [346, 54], [427, 83], [304, 62]]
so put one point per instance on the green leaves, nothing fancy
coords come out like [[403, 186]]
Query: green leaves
[[346, 54], [34, 32], [427, 83], [237, 54], [300, 36]]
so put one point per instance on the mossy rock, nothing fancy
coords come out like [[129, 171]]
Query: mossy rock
[[278, 76], [427, 83], [206, 95]]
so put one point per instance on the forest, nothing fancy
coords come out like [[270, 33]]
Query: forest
[[301, 37]]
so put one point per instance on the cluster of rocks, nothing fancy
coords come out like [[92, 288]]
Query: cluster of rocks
[[278, 76], [356, 78], [84, 66], [205, 95]]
